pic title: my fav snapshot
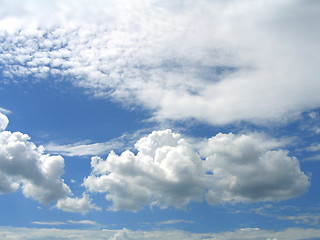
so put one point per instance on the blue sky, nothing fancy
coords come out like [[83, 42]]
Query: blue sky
[[159, 120]]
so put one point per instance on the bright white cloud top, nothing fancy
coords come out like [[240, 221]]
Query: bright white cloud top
[[160, 112]]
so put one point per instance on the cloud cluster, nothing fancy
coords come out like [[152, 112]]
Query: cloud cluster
[[214, 61], [168, 171], [24, 164], [125, 234]]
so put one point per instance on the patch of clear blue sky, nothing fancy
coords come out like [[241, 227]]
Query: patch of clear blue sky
[[60, 111]]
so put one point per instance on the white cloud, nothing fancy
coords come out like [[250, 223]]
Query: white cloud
[[174, 222], [214, 61], [5, 111], [76, 204], [24, 164], [84, 222], [165, 171], [49, 223], [53, 233], [245, 168], [314, 147], [310, 219], [3, 122], [85, 149], [168, 171]]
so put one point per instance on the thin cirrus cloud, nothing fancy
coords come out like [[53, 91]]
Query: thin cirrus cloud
[[222, 62], [168, 171], [25, 165]]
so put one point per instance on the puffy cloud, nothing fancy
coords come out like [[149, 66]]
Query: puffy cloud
[[246, 169], [165, 171], [168, 171], [76, 204], [214, 61], [24, 164]]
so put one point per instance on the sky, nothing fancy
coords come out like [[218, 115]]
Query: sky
[[160, 119]]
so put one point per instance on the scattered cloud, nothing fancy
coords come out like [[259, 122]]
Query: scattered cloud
[[314, 147], [168, 171], [210, 62], [253, 234], [82, 205], [309, 219]]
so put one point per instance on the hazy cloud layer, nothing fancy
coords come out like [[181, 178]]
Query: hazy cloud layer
[[168, 171], [215, 61], [125, 234]]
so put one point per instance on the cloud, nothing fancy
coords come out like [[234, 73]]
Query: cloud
[[85, 222], [21, 162], [173, 222], [49, 223], [310, 219], [3, 122], [168, 171], [186, 60], [24, 164], [76, 204], [53, 233], [245, 168], [5, 111], [165, 171]]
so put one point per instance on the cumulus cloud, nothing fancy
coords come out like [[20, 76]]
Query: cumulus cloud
[[246, 169], [165, 171], [40, 174], [76, 204], [24, 164], [214, 61], [168, 171]]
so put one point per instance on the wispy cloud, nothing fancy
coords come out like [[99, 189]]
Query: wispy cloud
[[5, 111], [175, 221], [309, 219], [84, 222], [49, 223], [86, 148]]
